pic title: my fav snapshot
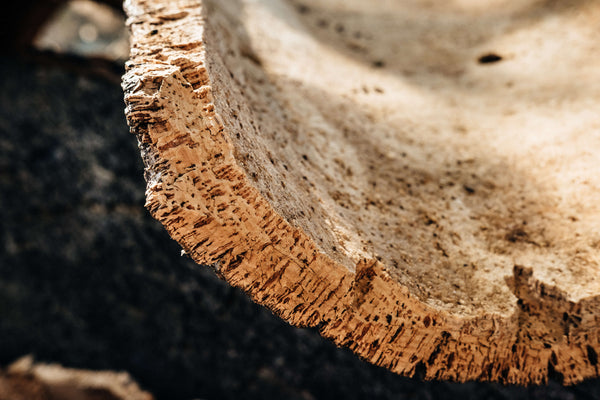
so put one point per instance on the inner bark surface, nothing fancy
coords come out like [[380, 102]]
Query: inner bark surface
[[449, 140]]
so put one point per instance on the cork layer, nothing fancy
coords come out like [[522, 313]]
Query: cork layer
[[400, 212]]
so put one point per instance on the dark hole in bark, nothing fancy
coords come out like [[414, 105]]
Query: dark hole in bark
[[592, 355], [489, 58]]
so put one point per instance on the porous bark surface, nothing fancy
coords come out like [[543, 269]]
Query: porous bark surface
[[416, 181]]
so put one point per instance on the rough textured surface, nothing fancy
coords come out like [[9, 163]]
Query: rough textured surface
[[400, 175], [90, 280]]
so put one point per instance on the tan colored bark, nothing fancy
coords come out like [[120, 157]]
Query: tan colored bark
[[418, 180], [27, 380]]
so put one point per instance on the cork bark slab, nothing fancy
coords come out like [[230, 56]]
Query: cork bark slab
[[26, 380], [419, 180]]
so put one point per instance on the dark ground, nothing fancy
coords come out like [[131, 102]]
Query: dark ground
[[89, 280]]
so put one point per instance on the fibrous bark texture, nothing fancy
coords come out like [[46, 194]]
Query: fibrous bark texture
[[416, 180]]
